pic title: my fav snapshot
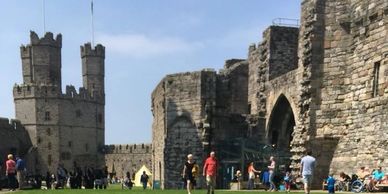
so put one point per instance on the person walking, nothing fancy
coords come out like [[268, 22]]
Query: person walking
[[210, 172], [251, 175], [307, 170], [20, 169], [188, 173], [144, 180], [10, 172], [271, 169]]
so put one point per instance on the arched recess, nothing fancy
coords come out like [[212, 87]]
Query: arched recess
[[280, 128]]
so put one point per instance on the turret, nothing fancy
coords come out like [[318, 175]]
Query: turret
[[93, 70], [41, 60]]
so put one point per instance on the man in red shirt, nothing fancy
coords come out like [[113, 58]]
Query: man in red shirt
[[210, 172]]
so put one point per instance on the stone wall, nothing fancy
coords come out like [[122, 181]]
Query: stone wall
[[178, 105], [14, 140], [65, 127], [324, 89], [122, 158]]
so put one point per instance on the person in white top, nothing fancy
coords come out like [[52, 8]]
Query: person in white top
[[271, 169]]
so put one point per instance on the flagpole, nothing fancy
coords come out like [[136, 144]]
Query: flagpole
[[44, 16], [91, 6]]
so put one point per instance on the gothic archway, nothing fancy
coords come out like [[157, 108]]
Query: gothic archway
[[280, 128]]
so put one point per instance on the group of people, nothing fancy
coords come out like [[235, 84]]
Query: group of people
[[127, 182], [15, 172], [191, 172], [89, 178], [306, 171], [370, 179]]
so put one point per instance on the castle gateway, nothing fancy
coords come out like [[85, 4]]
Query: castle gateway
[[322, 86]]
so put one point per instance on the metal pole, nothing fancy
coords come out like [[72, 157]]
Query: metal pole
[[44, 16], [92, 24]]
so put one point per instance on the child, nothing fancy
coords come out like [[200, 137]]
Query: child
[[287, 181], [330, 184]]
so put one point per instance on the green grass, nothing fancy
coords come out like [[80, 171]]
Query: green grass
[[117, 189]]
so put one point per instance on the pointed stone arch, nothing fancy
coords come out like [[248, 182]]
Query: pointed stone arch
[[280, 128]]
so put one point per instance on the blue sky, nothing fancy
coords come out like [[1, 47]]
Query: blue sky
[[144, 40]]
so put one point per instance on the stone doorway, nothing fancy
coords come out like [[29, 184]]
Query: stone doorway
[[279, 131]]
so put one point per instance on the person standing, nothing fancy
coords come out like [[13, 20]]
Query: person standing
[[330, 184], [144, 180], [307, 170], [210, 172], [20, 169], [271, 169], [11, 172], [251, 175], [188, 173]]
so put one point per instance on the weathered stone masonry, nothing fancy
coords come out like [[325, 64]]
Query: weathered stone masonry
[[64, 127], [321, 87]]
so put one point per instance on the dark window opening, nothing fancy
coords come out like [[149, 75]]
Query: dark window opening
[[48, 131], [47, 116], [249, 108], [49, 146], [78, 113], [69, 144], [376, 72], [99, 118]]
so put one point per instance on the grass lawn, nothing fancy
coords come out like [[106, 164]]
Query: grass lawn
[[117, 189]]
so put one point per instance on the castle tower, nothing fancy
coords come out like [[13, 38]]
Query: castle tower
[[64, 127], [93, 71], [41, 60]]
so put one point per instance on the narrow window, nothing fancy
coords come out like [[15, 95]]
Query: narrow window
[[376, 72], [47, 116], [48, 131], [49, 146], [69, 144], [78, 113], [99, 118], [249, 108]]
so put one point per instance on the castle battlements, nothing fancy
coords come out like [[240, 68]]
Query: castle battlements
[[10, 124], [128, 148], [87, 50], [46, 40], [50, 91]]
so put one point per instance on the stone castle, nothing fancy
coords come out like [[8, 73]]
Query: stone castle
[[322, 86], [63, 127], [52, 127]]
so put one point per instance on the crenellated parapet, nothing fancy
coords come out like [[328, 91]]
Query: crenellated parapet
[[97, 51], [144, 148], [47, 39], [21, 91]]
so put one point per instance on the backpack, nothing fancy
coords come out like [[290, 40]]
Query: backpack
[[195, 170]]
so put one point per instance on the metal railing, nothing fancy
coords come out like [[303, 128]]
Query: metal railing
[[285, 22]]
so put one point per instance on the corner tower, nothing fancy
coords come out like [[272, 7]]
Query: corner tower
[[93, 71]]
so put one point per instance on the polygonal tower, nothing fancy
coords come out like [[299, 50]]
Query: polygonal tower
[[66, 128]]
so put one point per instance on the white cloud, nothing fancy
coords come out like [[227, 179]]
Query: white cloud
[[141, 46]]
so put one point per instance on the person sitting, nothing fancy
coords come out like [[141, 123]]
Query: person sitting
[[127, 181], [344, 181], [377, 177]]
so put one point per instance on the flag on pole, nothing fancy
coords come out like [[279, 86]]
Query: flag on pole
[[91, 6]]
